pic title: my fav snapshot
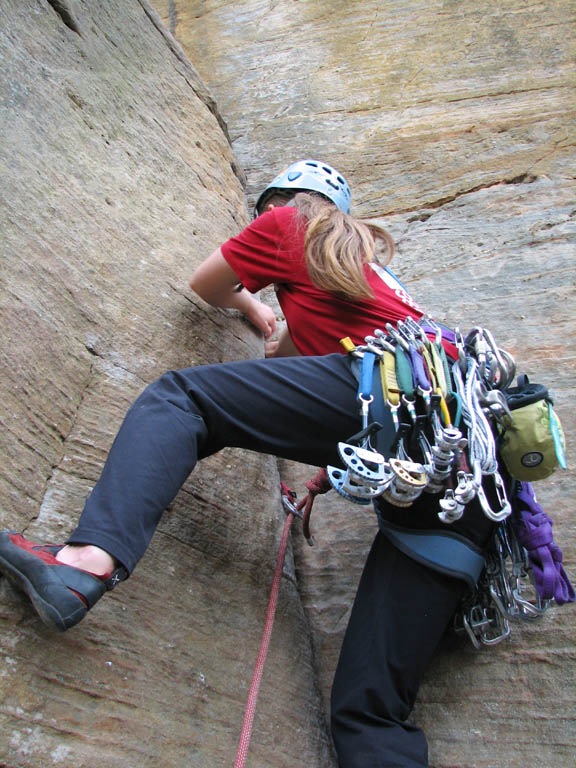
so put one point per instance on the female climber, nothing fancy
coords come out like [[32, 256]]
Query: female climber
[[294, 407]]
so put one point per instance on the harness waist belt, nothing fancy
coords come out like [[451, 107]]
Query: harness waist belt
[[443, 552]]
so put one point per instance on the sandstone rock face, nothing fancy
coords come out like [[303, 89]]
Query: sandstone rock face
[[416, 102], [454, 124], [117, 179]]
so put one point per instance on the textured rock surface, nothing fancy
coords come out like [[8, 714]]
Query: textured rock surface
[[454, 124], [117, 179], [415, 101]]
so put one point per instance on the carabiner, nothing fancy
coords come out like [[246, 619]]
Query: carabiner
[[505, 508], [364, 408], [406, 332], [289, 506], [398, 338], [410, 407], [382, 340], [498, 621], [394, 413], [459, 344]]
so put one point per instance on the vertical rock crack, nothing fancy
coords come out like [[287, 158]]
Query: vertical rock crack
[[63, 10]]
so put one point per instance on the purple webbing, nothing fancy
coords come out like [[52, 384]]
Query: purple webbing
[[418, 371], [533, 528], [447, 333]]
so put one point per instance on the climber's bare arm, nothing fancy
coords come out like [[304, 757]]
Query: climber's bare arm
[[216, 282]]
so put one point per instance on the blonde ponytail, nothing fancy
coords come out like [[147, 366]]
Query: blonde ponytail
[[337, 246]]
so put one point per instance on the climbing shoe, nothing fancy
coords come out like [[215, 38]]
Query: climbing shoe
[[61, 594]]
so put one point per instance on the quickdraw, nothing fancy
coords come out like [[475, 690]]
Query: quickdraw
[[366, 473]]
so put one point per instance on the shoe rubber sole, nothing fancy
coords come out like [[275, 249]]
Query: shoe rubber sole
[[51, 616]]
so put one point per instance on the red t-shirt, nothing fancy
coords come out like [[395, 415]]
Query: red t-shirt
[[271, 251]]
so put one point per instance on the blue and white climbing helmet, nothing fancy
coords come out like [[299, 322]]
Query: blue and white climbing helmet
[[310, 176]]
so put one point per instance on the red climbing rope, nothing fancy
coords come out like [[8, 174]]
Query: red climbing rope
[[319, 484], [261, 660]]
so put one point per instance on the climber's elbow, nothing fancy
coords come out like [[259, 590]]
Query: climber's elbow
[[214, 279]]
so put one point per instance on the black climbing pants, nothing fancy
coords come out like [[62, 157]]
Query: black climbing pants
[[406, 607], [294, 408]]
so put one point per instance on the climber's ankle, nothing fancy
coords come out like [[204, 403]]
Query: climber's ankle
[[87, 557]]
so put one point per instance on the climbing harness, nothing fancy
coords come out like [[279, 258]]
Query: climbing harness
[[449, 422]]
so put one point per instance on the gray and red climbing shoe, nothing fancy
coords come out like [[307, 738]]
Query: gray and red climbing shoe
[[61, 594]]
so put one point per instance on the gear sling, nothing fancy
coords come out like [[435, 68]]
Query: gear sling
[[434, 428]]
